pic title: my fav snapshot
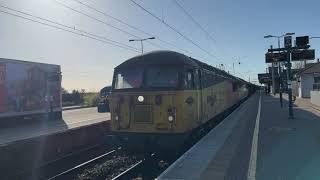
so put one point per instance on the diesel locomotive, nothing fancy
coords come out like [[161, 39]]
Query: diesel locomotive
[[161, 97]]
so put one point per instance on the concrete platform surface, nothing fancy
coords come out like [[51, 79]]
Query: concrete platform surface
[[288, 148], [257, 141], [71, 119]]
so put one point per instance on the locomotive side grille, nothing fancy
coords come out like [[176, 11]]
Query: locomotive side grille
[[142, 114]]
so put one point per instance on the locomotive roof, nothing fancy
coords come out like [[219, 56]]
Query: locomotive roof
[[159, 58], [165, 57], [211, 68]]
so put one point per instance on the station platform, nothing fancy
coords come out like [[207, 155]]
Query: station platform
[[71, 119], [256, 141]]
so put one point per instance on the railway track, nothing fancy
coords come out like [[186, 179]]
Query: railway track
[[144, 167], [116, 165], [127, 173], [100, 163], [63, 165], [71, 172], [147, 168]]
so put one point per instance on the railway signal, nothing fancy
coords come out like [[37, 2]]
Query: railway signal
[[305, 54], [302, 41], [276, 57], [279, 64], [264, 78], [287, 54]]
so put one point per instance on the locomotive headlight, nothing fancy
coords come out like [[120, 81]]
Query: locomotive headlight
[[140, 98], [170, 118], [116, 118]]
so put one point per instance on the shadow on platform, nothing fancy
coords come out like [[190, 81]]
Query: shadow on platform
[[288, 148]]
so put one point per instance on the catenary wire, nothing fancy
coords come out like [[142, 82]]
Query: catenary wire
[[67, 26], [194, 20], [129, 25], [174, 29], [103, 22], [57, 27]]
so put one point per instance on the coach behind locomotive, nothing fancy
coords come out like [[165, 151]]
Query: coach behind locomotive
[[160, 97]]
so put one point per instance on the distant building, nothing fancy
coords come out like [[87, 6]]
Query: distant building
[[308, 79]]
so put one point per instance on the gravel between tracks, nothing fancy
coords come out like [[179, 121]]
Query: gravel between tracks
[[108, 169]]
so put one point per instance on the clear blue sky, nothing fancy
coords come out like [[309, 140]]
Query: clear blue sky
[[238, 28]]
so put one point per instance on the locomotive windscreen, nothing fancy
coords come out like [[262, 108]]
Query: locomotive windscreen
[[161, 77], [129, 78], [148, 77]]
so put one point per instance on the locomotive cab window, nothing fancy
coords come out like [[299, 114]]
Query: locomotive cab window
[[316, 79], [162, 77], [128, 78], [189, 80], [197, 79]]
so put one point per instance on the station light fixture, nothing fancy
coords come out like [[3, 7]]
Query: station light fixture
[[268, 36], [290, 34]]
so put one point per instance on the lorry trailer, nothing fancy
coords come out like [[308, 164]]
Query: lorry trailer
[[29, 89]]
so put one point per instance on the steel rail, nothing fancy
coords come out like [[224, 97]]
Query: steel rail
[[64, 173]]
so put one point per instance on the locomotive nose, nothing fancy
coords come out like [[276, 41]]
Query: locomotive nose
[[155, 109], [144, 112]]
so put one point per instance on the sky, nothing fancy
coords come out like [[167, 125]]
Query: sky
[[236, 31]]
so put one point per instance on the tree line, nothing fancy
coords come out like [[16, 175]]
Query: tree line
[[79, 97]]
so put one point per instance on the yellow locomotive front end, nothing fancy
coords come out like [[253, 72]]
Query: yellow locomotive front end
[[144, 112], [149, 103]]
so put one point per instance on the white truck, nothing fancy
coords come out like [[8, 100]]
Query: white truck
[[29, 89]]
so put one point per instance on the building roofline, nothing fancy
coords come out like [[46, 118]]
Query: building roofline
[[305, 69]]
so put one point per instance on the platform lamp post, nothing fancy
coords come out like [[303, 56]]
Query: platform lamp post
[[289, 77], [279, 66], [141, 41]]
